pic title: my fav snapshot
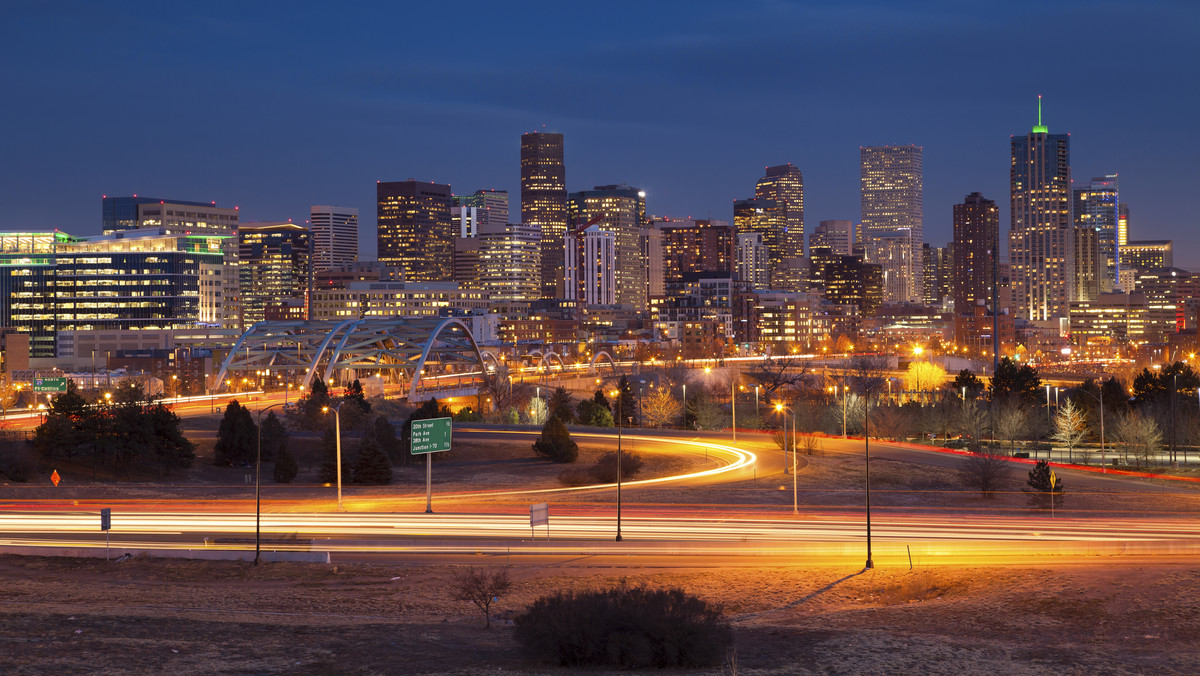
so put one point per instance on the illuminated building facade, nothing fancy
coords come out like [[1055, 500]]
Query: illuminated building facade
[[837, 235], [415, 231], [28, 274], [1169, 293], [491, 206], [503, 260], [1041, 238], [937, 264], [273, 266], [976, 248], [1111, 317], [1097, 206], [406, 299], [334, 236], [620, 210], [696, 246], [753, 260], [590, 267], [783, 185], [850, 281], [172, 216], [1145, 255], [892, 201], [544, 204]]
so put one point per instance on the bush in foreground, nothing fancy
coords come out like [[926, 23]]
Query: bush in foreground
[[556, 443], [624, 627]]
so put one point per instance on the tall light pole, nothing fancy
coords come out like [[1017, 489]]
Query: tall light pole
[[867, 455], [337, 433], [617, 394], [1100, 400], [258, 488], [795, 499]]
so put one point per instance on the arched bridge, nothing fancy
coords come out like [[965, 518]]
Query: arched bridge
[[404, 348]]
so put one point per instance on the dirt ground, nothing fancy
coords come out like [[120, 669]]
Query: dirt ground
[[66, 616]]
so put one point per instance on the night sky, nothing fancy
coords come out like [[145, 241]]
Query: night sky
[[277, 106]]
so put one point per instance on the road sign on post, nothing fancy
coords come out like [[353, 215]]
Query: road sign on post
[[427, 437], [49, 384], [539, 515], [105, 525]]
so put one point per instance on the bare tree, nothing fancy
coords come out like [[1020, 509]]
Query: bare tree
[[775, 374], [1011, 419], [480, 587], [504, 392], [1070, 427], [891, 423], [973, 420], [809, 443], [1139, 435], [985, 471]]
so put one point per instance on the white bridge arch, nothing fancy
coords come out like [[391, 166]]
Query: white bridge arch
[[404, 346]]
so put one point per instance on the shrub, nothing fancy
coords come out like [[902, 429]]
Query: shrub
[[985, 471], [556, 443], [605, 469], [624, 627]]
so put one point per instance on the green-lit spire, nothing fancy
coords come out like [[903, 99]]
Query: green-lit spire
[[1040, 128]]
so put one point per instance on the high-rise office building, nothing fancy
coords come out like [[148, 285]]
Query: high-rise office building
[[544, 203], [491, 206], [172, 216], [893, 203], [976, 247], [1041, 238], [334, 236], [696, 246], [784, 185], [273, 267], [893, 253], [1149, 254], [837, 235], [1122, 224], [621, 210], [753, 261], [509, 260], [591, 267], [415, 231], [938, 268], [1097, 206], [850, 281]]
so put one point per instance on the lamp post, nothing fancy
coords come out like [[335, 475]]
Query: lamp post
[[867, 465], [337, 433], [258, 487], [617, 394], [1100, 400], [795, 499]]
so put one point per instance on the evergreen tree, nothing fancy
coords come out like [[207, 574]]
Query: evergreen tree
[[237, 437], [1039, 478], [384, 434], [274, 435], [286, 467], [327, 474], [560, 404], [172, 449], [629, 405], [967, 379], [601, 417], [1018, 381], [555, 443], [371, 464]]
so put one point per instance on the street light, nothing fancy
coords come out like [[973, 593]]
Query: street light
[[781, 408], [1100, 400], [617, 394], [257, 486], [337, 432]]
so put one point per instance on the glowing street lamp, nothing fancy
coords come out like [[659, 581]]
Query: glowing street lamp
[[781, 408], [337, 431]]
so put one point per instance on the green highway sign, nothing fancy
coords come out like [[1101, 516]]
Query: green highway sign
[[49, 384], [430, 436]]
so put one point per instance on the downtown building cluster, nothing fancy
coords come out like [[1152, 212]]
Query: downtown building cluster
[[174, 280]]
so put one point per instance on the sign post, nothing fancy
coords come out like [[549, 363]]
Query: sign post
[[427, 437], [105, 525], [539, 515]]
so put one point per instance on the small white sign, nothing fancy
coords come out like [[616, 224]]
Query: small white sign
[[539, 515]]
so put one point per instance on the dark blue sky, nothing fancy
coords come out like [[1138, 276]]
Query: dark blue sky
[[276, 106]]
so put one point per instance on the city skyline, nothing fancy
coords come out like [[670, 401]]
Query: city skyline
[[692, 160]]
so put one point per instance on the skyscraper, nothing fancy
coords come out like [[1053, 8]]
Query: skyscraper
[[415, 232], [1041, 239], [784, 185], [621, 210], [334, 236], [273, 266], [544, 203], [696, 246], [837, 235], [591, 270], [1097, 206], [976, 243], [938, 265], [491, 206], [893, 202]]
